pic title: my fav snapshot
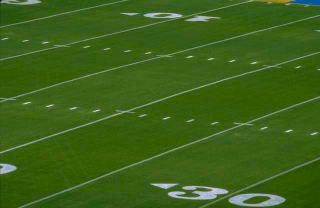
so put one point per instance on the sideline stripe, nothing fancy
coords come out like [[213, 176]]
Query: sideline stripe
[[263, 181], [147, 60], [128, 30], [170, 151], [78, 10], [151, 103]]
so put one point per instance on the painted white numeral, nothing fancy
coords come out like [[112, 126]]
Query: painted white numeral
[[21, 2], [201, 19], [201, 195], [272, 201], [5, 168], [163, 15]]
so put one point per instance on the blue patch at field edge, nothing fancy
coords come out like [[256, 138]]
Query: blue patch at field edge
[[309, 2]]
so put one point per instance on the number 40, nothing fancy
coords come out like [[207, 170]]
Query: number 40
[[211, 193]]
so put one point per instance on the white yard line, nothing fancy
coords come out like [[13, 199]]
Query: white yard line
[[64, 13], [123, 31], [158, 57], [149, 104], [179, 148], [262, 182]]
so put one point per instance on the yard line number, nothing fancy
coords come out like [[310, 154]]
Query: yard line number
[[6, 168], [210, 193], [173, 16], [21, 2]]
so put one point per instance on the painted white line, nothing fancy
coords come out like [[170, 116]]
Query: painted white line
[[232, 61], [170, 151], [261, 182], [130, 14], [214, 123], [253, 63], [45, 42], [210, 59], [288, 4], [95, 111], [26, 103], [7, 99], [192, 120], [148, 53], [189, 57], [247, 34], [298, 67], [127, 51], [264, 128], [73, 108], [213, 83], [5, 39], [166, 118], [106, 49], [86, 46], [61, 46], [243, 124], [144, 115], [78, 10], [49, 106], [24, 41], [128, 30], [289, 131], [164, 56], [269, 2], [279, 67], [315, 133], [122, 111]]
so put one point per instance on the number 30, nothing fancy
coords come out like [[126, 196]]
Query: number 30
[[21, 2]]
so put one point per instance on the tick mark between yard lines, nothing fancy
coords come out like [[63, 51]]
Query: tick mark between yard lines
[[192, 120], [232, 61], [289, 131], [298, 67], [95, 111], [24, 41], [214, 123], [127, 51], [253, 63], [73, 108], [166, 118], [151, 59], [106, 49], [5, 39], [144, 115], [86, 46], [264, 128], [55, 15], [49, 106], [128, 30], [315, 133], [210, 59], [26, 103], [189, 57], [171, 151], [45, 42], [148, 53]]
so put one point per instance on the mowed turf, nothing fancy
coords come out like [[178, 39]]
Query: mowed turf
[[74, 145]]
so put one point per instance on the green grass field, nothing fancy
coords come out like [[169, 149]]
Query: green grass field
[[159, 104]]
